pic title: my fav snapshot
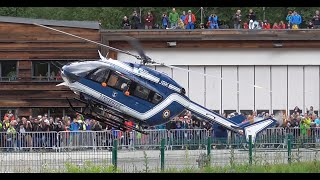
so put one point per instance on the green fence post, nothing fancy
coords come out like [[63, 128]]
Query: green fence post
[[114, 154], [289, 148], [162, 154], [250, 149], [209, 149]]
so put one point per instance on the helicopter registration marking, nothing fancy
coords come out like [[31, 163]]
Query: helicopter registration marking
[[109, 101], [170, 86], [164, 83]]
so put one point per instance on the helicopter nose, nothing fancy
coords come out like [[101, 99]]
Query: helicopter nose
[[68, 76]]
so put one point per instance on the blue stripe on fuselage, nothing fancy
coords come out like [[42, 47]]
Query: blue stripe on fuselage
[[174, 108]]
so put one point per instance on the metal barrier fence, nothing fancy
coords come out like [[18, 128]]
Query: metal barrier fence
[[174, 139], [47, 151]]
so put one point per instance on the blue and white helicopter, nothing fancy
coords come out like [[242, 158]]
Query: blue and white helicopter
[[115, 92]]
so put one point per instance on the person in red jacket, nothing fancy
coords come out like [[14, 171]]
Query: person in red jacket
[[148, 21], [266, 25], [276, 26], [282, 25], [245, 26], [190, 20]]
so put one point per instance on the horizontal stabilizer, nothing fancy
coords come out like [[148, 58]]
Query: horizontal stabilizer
[[62, 84], [238, 119], [255, 128]]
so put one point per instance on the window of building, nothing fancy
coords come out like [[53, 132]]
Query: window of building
[[56, 112], [3, 112], [8, 70], [262, 110], [216, 111], [39, 111], [278, 112], [229, 111], [46, 71], [246, 112]]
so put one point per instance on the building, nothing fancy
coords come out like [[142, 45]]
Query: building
[[28, 79], [262, 70]]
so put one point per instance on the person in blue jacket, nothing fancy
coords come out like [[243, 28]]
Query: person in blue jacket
[[295, 20], [213, 19]]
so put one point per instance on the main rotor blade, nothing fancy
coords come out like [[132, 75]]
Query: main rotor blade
[[100, 44], [204, 74], [137, 46]]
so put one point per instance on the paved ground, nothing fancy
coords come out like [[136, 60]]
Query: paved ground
[[141, 161]]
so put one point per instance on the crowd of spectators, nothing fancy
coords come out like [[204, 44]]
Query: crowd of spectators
[[12, 126], [188, 20]]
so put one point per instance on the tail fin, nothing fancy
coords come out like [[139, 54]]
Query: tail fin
[[255, 128]]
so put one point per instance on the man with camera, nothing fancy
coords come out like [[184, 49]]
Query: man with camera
[[237, 20], [165, 21], [135, 20], [213, 19]]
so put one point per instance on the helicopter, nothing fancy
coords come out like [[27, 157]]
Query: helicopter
[[115, 92]]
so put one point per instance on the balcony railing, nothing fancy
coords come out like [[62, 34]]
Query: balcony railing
[[8, 79], [47, 79]]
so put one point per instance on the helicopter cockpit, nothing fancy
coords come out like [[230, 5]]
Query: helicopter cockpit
[[117, 81]]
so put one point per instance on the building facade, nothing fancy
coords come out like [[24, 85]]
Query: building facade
[[262, 70], [28, 79]]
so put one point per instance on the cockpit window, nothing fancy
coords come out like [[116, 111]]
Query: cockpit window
[[99, 75], [141, 92], [118, 82], [156, 98]]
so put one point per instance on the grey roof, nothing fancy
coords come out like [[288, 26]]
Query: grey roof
[[76, 24]]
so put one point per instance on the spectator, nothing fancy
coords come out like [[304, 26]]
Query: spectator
[[183, 18], [310, 111], [288, 18], [148, 21], [245, 26], [96, 126], [297, 110], [213, 19], [266, 25], [9, 115], [135, 20], [316, 20], [181, 24], [173, 18], [165, 21], [237, 20], [190, 20], [295, 20], [310, 25], [251, 18], [282, 25], [260, 24], [317, 121], [276, 26], [126, 23]]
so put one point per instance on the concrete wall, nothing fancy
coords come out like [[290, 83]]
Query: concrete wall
[[285, 77]]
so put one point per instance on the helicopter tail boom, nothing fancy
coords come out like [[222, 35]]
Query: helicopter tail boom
[[241, 128]]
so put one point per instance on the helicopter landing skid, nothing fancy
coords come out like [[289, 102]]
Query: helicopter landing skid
[[117, 122]]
